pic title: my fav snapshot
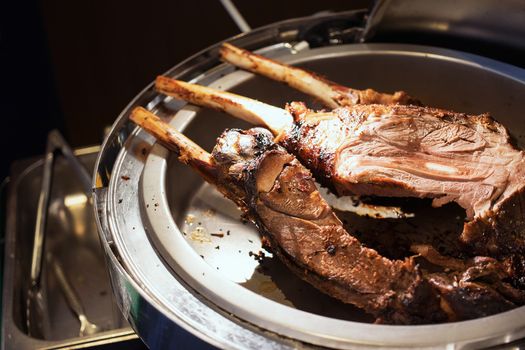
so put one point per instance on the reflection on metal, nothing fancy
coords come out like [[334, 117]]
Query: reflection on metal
[[488, 24], [227, 242], [354, 205], [439, 26], [75, 200]]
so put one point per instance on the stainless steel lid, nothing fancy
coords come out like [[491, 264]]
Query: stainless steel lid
[[176, 245]]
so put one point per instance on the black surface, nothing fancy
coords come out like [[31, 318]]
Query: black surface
[[3, 205], [28, 101]]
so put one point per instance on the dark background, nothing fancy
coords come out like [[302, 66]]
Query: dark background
[[75, 65]]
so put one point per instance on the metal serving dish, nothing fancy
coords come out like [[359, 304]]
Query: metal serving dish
[[175, 267], [72, 238]]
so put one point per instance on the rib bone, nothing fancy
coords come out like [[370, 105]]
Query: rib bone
[[329, 93], [255, 112], [189, 152]]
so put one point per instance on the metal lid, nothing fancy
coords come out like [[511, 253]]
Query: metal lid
[[484, 27]]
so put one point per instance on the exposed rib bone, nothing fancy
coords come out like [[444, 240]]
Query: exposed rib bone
[[189, 152], [255, 112], [329, 93]]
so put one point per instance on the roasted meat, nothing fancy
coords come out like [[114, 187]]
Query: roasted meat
[[279, 195], [399, 151]]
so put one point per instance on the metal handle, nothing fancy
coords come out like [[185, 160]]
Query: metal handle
[[72, 298], [41, 217], [236, 15], [70, 294], [56, 139]]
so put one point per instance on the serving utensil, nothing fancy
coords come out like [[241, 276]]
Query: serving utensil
[[35, 300], [72, 298]]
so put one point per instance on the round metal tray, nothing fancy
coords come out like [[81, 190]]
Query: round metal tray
[[188, 252]]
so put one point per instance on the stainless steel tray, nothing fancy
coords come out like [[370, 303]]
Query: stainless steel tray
[[157, 217], [72, 237]]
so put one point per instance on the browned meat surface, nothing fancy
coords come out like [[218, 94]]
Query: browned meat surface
[[410, 151], [282, 199]]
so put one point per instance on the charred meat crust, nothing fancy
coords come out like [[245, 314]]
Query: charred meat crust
[[234, 149], [472, 288], [279, 195], [319, 160]]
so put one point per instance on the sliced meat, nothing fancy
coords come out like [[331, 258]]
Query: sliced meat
[[398, 151], [302, 230], [410, 151]]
